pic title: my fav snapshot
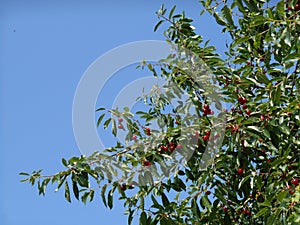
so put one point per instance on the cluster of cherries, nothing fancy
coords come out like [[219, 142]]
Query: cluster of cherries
[[242, 100], [171, 146], [295, 183], [296, 7], [207, 110]]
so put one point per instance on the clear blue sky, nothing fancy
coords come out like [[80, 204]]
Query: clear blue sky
[[45, 47]]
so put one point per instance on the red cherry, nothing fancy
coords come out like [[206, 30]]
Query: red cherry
[[248, 112], [297, 7], [207, 133], [225, 209], [179, 146], [120, 120], [250, 196], [262, 118], [247, 212], [177, 122], [240, 171], [123, 187], [205, 138], [134, 137], [248, 63], [289, 8], [240, 112], [245, 106], [120, 126], [206, 106], [295, 181], [171, 144], [172, 148], [207, 192], [146, 163]]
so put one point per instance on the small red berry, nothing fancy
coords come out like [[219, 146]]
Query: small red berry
[[295, 181], [179, 146], [123, 187], [248, 112], [120, 120], [205, 138], [225, 209], [172, 148], [240, 171], [120, 126], [134, 137], [245, 106], [207, 192], [289, 8], [297, 7], [146, 163], [206, 106]]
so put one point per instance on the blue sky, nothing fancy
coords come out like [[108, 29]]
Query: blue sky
[[45, 47]]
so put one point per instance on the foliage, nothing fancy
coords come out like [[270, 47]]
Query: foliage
[[254, 177]]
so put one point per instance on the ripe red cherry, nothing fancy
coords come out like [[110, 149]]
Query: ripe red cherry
[[207, 192], [206, 106], [225, 209], [134, 137], [171, 144], [177, 122], [205, 138], [248, 112], [240, 171], [120, 120], [289, 8], [172, 148], [146, 163], [295, 181], [297, 7], [247, 212], [179, 146], [120, 126], [245, 106], [148, 131], [123, 187]]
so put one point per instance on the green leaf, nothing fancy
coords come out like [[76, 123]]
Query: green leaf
[[24, 174], [75, 190], [106, 123], [165, 200], [84, 197], [172, 11], [258, 20], [243, 181], [226, 12], [206, 202], [67, 192], [110, 199], [64, 162], [158, 24], [100, 109], [219, 19], [143, 218], [272, 219], [286, 36], [253, 130], [100, 119], [114, 128], [103, 195], [262, 212]]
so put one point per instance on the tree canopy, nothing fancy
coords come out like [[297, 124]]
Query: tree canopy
[[241, 116]]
